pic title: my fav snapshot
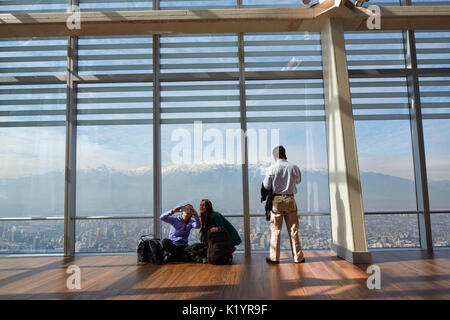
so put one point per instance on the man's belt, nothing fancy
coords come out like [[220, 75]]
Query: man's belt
[[288, 195]]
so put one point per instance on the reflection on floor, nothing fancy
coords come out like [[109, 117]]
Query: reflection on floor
[[404, 275]]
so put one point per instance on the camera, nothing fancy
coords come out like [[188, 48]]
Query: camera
[[186, 209]]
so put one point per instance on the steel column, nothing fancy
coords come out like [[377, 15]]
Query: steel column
[[243, 119], [418, 148], [71, 146], [156, 133]]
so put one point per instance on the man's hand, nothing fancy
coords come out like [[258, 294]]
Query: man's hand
[[193, 211]]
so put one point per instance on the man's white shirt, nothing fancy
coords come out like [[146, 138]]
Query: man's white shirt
[[282, 177]]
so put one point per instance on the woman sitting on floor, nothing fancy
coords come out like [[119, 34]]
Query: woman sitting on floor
[[213, 221]]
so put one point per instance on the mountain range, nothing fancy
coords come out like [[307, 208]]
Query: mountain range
[[106, 191]]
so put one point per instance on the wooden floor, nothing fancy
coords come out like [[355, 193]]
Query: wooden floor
[[404, 275]]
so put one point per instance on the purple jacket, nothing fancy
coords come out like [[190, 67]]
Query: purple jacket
[[179, 231]]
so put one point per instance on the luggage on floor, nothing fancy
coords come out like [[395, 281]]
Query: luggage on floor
[[219, 251], [150, 250], [197, 252], [143, 250]]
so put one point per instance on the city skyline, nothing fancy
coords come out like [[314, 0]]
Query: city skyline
[[100, 236]]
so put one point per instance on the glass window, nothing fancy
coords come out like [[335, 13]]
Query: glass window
[[430, 2], [374, 50], [299, 125], [386, 2], [7, 6], [115, 54], [275, 4], [32, 141], [302, 4], [201, 146], [383, 138], [32, 175], [192, 172], [33, 56], [31, 237], [199, 53], [32, 150], [282, 51], [435, 101], [206, 101], [392, 231], [196, 4], [110, 235], [433, 48], [440, 226], [116, 5], [32, 153], [114, 150]]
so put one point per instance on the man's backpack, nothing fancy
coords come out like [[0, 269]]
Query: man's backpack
[[150, 250], [219, 251]]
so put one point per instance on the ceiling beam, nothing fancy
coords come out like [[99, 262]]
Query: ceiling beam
[[404, 18], [222, 20]]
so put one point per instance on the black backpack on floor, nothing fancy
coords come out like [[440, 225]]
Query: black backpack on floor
[[219, 251], [150, 250], [197, 252]]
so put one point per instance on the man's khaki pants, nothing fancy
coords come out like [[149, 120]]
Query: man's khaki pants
[[284, 206]]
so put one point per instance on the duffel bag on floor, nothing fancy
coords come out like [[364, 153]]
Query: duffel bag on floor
[[219, 251]]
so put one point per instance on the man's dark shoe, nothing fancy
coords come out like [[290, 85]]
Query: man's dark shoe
[[271, 261], [301, 261]]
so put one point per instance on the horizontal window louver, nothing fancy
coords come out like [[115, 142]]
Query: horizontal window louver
[[115, 54], [374, 50], [435, 97], [196, 4], [282, 51], [384, 3], [33, 56], [430, 2], [285, 100], [433, 49], [115, 5], [301, 4], [32, 105], [379, 99], [115, 104], [276, 4], [206, 101], [33, 6], [199, 53]]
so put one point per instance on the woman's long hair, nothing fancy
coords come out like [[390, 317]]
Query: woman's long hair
[[206, 219]]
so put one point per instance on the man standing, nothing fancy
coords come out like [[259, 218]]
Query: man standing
[[282, 177]]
